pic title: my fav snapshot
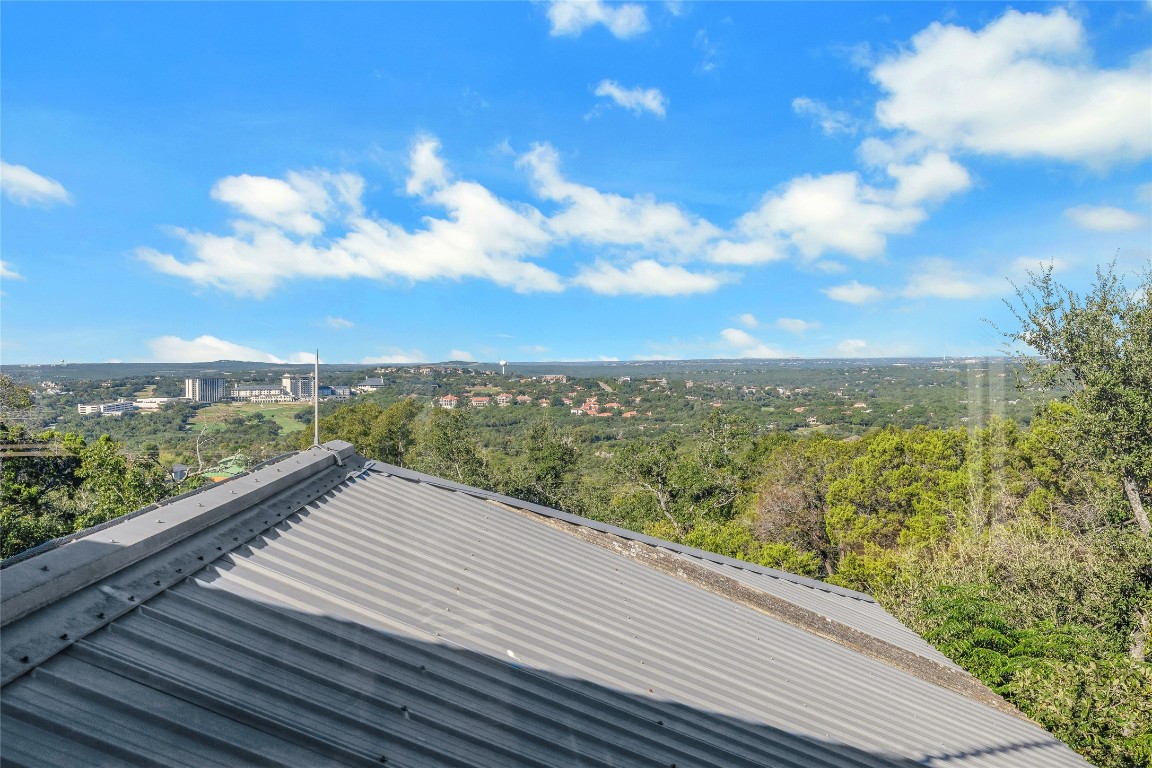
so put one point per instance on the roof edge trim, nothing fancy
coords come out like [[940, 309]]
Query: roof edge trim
[[101, 551]]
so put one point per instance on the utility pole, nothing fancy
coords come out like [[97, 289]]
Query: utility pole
[[316, 402]]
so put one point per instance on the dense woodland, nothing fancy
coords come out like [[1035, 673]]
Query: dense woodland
[[1018, 546]]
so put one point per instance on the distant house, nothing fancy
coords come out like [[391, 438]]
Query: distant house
[[554, 378], [370, 384], [503, 399], [629, 414], [523, 399], [480, 401], [447, 401], [544, 402]]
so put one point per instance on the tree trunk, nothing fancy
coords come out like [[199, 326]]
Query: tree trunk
[[1138, 510], [1139, 636]]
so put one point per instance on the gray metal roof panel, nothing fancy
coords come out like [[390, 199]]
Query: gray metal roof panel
[[392, 619]]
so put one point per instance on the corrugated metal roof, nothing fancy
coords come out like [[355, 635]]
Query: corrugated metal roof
[[387, 620]]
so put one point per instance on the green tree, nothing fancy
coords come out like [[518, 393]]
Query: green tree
[[447, 446], [1099, 346]]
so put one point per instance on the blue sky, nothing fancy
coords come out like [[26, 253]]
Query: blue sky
[[558, 181]]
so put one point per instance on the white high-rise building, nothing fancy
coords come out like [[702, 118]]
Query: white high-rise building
[[206, 390], [299, 387]]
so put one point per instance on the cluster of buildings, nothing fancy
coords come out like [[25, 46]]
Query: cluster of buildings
[[292, 388], [590, 407]]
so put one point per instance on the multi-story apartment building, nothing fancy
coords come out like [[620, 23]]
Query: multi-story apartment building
[[107, 409], [299, 387], [206, 390]]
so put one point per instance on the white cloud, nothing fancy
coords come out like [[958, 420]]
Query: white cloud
[[203, 349], [1023, 86], [853, 293], [793, 325], [482, 236], [749, 252], [851, 348], [831, 121], [296, 205], [942, 279], [8, 273], [337, 322], [748, 320], [393, 355], [1144, 191], [24, 186], [607, 219], [818, 214], [934, 178], [1105, 218], [636, 100], [570, 18], [459, 354], [746, 345], [710, 58], [648, 278]]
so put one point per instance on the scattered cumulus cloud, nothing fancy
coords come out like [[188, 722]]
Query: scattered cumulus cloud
[[569, 18], [934, 178], [460, 354], [393, 356], [852, 348], [602, 218], [942, 279], [24, 186], [853, 293], [637, 100], [746, 345], [1023, 86], [646, 278], [1105, 218], [831, 213], [794, 325], [204, 349], [280, 238], [337, 322], [748, 320], [831, 121], [7, 272], [710, 52]]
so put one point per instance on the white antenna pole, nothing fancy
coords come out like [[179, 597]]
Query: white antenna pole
[[316, 402]]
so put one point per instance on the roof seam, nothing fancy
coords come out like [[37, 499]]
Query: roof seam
[[583, 522], [877, 649]]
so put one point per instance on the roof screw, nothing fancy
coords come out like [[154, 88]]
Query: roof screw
[[219, 549], [100, 615], [179, 570], [199, 557], [161, 522], [157, 583], [131, 598], [23, 659], [383, 758], [43, 567], [422, 668], [64, 636], [403, 707], [659, 722]]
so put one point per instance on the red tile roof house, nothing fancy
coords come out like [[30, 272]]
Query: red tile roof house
[[447, 401], [523, 399], [503, 399], [480, 402]]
